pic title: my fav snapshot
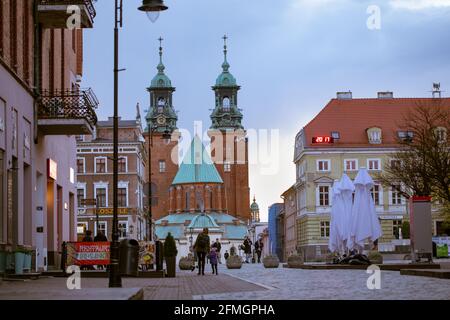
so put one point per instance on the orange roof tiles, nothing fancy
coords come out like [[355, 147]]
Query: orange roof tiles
[[352, 117]]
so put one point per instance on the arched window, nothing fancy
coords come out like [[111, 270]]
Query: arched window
[[187, 200], [210, 198], [226, 103]]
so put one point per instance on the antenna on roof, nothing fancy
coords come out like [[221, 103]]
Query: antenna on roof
[[436, 90]]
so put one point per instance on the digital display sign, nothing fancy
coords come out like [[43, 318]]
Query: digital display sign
[[322, 140]]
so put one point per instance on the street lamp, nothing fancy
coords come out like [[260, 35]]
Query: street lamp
[[152, 8], [115, 280]]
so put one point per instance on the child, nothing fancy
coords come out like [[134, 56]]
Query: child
[[213, 259]]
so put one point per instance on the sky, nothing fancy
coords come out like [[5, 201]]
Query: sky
[[289, 56]]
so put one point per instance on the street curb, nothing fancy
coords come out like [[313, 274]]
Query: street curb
[[139, 295]]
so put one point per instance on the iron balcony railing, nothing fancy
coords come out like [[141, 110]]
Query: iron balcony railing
[[69, 104], [88, 3]]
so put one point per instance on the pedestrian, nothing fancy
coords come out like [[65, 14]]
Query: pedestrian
[[247, 249], [202, 247], [88, 236], [218, 247], [213, 259], [226, 255], [259, 246]]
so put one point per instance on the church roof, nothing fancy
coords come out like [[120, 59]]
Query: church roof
[[203, 221], [197, 166]]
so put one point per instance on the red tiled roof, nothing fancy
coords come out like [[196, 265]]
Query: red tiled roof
[[351, 118]]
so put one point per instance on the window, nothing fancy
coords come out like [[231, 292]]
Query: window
[[226, 103], [188, 198], [375, 191], [350, 164], [161, 104], [227, 167], [374, 135], [82, 227], [122, 164], [323, 165], [123, 229], [335, 135], [396, 225], [122, 197], [373, 164], [102, 227], [79, 138], [405, 135], [80, 165], [324, 229], [100, 165], [324, 194], [441, 134], [100, 194], [162, 166], [396, 197], [81, 194], [395, 164]]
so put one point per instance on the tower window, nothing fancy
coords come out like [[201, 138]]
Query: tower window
[[162, 166], [226, 104], [227, 167]]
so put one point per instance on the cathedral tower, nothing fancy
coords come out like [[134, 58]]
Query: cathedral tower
[[229, 144]]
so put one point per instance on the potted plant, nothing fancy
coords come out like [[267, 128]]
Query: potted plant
[[187, 263], [271, 261], [19, 259], [170, 255], [295, 261], [3, 254], [234, 261]]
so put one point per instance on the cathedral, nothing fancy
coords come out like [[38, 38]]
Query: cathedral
[[206, 189]]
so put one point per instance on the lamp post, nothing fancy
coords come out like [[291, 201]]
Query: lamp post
[[115, 280]]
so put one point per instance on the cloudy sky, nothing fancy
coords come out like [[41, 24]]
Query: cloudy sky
[[289, 56]]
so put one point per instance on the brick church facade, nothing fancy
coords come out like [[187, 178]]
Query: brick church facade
[[229, 147]]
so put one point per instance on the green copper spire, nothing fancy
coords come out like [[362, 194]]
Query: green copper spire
[[225, 79], [161, 80]]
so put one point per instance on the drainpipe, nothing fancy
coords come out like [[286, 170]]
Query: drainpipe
[[36, 69]]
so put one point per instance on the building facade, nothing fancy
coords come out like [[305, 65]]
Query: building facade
[[95, 180], [276, 212], [290, 222], [346, 135], [42, 108]]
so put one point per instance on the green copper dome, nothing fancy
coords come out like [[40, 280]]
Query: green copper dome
[[161, 80], [203, 221], [254, 206], [225, 79]]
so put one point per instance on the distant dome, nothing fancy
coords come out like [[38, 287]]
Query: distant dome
[[161, 81], [254, 206], [225, 79]]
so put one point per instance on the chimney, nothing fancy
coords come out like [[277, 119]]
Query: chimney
[[344, 95], [386, 95]]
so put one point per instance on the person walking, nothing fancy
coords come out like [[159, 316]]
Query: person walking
[[202, 247], [226, 255], [259, 246], [247, 249], [218, 247], [88, 236], [100, 237], [213, 259]]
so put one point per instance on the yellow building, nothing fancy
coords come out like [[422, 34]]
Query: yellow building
[[346, 135]]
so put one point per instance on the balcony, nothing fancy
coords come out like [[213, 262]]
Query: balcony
[[56, 14], [67, 112]]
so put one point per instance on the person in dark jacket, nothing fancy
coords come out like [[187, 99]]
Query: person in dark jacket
[[213, 259], [259, 246], [88, 236], [247, 249], [202, 247], [100, 237]]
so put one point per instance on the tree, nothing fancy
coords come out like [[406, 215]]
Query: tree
[[422, 163], [170, 247]]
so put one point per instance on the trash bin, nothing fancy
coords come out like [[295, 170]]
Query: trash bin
[[129, 257]]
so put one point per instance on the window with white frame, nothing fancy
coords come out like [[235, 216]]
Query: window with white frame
[[324, 195], [324, 229], [323, 165], [162, 166], [82, 227], [122, 193], [396, 197], [374, 164], [81, 195], [395, 164], [100, 165], [227, 166], [123, 229], [81, 167], [375, 192], [102, 227], [351, 164], [101, 193], [374, 135]]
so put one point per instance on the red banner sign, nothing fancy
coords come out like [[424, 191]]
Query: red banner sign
[[88, 253]]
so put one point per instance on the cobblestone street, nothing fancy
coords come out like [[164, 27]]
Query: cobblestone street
[[332, 284]]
